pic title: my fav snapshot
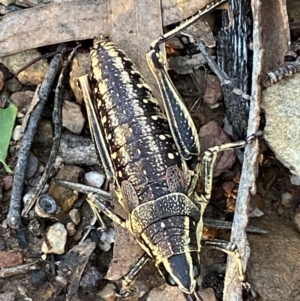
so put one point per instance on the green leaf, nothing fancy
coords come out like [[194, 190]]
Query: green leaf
[[7, 122]]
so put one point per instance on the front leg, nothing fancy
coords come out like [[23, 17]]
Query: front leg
[[96, 129], [95, 201]]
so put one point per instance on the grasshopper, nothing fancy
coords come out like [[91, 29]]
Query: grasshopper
[[151, 158]]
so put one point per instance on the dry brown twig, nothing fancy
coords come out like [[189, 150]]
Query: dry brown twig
[[42, 92]]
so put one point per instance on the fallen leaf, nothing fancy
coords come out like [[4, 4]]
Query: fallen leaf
[[7, 122]]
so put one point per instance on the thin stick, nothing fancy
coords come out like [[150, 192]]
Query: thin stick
[[20, 269], [232, 285], [57, 121], [14, 214], [36, 60]]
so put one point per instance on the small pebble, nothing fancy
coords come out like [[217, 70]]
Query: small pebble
[[59, 163], [12, 149], [20, 115], [61, 281], [295, 180], [41, 168], [108, 293], [107, 238], [297, 221], [286, 199], [32, 166], [71, 229], [17, 133], [75, 216], [72, 117], [94, 178], [26, 197], [91, 278], [38, 277], [213, 90], [7, 182], [22, 100], [256, 213], [10, 259], [22, 289], [13, 85], [56, 238], [34, 227], [78, 235]]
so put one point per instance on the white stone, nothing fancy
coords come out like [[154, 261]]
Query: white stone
[[286, 199], [17, 133], [56, 238], [72, 117], [107, 238], [94, 178], [256, 213], [75, 216], [71, 229], [295, 180]]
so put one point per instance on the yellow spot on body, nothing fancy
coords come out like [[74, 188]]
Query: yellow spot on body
[[109, 136], [104, 119], [120, 173], [154, 100], [135, 72], [162, 137], [145, 100], [171, 156], [114, 155], [144, 85], [154, 117]]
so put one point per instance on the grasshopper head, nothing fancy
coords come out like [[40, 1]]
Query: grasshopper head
[[181, 270]]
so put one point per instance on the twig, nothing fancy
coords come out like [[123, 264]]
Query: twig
[[36, 60], [14, 214], [232, 285], [20, 269], [57, 121], [84, 188], [218, 224]]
